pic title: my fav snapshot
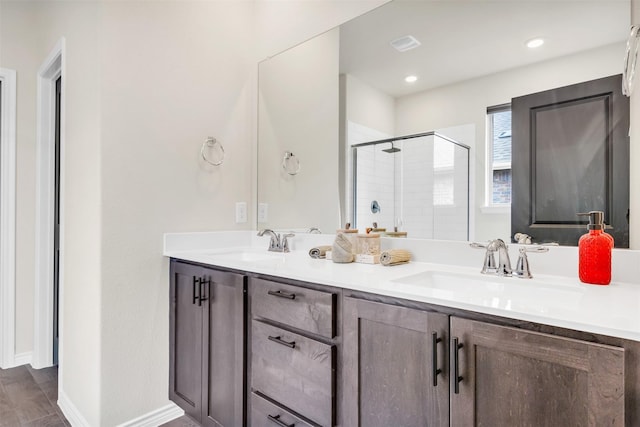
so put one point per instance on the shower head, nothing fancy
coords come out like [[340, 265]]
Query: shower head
[[392, 149]]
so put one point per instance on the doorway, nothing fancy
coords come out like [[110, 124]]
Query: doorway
[[56, 220], [48, 331]]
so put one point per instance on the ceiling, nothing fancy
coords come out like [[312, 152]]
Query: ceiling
[[465, 39]]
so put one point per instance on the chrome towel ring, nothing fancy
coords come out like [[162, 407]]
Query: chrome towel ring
[[215, 150]]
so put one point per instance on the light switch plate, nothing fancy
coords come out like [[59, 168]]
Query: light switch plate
[[241, 212], [263, 212]]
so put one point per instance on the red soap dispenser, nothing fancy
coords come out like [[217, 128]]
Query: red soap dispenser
[[594, 252]]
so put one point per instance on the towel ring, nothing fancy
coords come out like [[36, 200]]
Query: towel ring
[[213, 144], [290, 163], [630, 60]]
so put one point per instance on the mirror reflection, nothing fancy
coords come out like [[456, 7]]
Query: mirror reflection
[[417, 184], [471, 58]]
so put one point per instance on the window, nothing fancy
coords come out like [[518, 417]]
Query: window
[[499, 155]]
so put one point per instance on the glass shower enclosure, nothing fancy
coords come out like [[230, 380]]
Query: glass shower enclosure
[[416, 183]]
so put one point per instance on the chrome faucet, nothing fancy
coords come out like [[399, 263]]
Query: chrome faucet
[[276, 242], [503, 268], [504, 262], [522, 266]]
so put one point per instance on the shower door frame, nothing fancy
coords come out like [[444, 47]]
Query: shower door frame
[[354, 155]]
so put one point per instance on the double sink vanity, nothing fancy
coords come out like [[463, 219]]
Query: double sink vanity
[[280, 339]]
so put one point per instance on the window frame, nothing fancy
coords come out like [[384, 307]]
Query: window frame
[[489, 206]]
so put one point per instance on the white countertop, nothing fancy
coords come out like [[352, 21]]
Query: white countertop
[[555, 300]]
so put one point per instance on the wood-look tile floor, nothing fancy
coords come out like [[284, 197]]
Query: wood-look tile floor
[[28, 398], [183, 421]]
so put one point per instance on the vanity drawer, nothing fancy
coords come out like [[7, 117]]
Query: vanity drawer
[[301, 308], [266, 414], [294, 370]]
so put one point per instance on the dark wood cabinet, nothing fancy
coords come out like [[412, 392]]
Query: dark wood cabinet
[[259, 352], [395, 366], [486, 374], [207, 344], [508, 376], [293, 354]]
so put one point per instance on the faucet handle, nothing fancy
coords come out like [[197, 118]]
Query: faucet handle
[[522, 266], [285, 241], [489, 265], [274, 241], [476, 245]]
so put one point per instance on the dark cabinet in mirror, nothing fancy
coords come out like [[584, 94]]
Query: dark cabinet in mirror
[[571, 154]]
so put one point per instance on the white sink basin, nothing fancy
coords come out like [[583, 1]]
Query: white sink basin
[[511, 293], [249, 255]]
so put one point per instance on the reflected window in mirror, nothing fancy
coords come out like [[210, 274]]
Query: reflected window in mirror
[[498, 145]]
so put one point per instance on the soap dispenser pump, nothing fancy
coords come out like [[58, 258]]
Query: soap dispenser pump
[[594, 251]]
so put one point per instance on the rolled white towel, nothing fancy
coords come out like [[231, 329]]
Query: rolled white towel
[[319, 252], [394, 257]]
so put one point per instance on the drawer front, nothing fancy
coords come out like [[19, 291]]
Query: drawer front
[[296, 371], [301, 308], [266, 414]]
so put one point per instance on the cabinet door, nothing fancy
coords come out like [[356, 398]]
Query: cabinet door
[[223, 353], [394, 366], [509, 377], [185, 351]]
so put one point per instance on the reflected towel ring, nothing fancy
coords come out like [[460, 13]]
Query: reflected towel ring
[[216, 147], [290, 163], [630, 60]]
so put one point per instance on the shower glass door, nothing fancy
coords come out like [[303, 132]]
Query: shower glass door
[[418, 184]]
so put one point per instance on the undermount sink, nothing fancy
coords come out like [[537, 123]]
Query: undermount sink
[[493, 291], [249, 255]]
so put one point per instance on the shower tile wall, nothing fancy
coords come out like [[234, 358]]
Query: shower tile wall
[[425, 185], [376, 182], [414, 178]]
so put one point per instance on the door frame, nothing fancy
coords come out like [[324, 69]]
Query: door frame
[[52, 68], [7, 218]]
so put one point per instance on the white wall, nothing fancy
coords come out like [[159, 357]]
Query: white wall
[[16, 20], [369, 107], [173, 73], [29, 31], [466, 102], [281, 24]]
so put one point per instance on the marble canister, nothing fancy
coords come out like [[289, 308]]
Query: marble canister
[[368, 244]]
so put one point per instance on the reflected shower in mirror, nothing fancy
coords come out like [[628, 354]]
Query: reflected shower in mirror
[[418, 184]]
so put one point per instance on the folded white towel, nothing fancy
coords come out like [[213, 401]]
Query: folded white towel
[[341, 251]]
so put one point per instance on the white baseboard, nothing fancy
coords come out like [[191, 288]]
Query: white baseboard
[[22, 358], [70, 411], [155, 418]]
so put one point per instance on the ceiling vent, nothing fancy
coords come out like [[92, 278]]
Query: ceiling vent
[[405, 43]]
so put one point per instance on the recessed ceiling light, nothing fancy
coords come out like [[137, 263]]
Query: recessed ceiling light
[[411, 79], [533, 43], [405, 43]]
